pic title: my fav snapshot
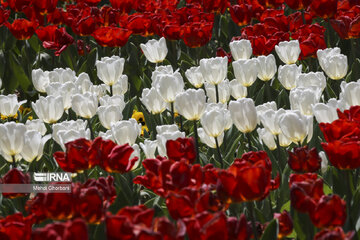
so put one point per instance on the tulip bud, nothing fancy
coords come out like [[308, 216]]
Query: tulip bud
[[246, 71], [191, 104], [267, 138], [117, 100], [62, 75], [37, 125], [214, 70], [49, 109], [149, 148], [169, 85], [216, 119], [126, 131], [33, 145], [241, 49], [288, 75], [302, 99], [67, 126], [121, 86], [296, 126], [288, 52], [267, 67], [9, 105], [155, 51], [165, 133], [223, 89], [195, 77], [350, 93], [270, 120], [311, 79], [237, 90], [326, 112], [243, 114], [85, 105], [152, 100], [40, 79], [109, 115], [12, 139], [210, 141], [110, 69], [65, 90]]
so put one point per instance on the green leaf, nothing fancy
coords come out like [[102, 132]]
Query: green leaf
[[286, 206], [18, 73], [271, 232], [355, 71]]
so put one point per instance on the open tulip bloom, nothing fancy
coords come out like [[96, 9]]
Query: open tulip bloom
[[175, 120]]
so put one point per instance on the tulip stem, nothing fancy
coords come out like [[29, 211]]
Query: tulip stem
[[249, 141], [111, 90], [250, 206], [196, 142], [91, 130], [217, 93], [218, 151], [172, 112], [13, 161]]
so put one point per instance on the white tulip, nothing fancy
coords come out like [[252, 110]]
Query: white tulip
[[84, 83], [302, 99], [149, 148], [121, 86], [33, 145], [135, 153], [214, 70], [324, 161], [12, 139], [159, 70], [311, 79], [223, 90], [62, 75], [37, 125], [210, 141], [66, 90], [195, 77], [107, 135], [324, 54], [67, 126], [166, 128], [336, 67], [165, 133], [69, 135], [110, 69], [99, 90], [260, 109], [296, 126], [169, 85], [350, 93], [109, 115], [40, 79], [155, 51], [270, 120], [49, 109], [85, 105], [267, 67], [117, 100], [191, 104], [0, 82], [267, 138], [9, 105], [284, 141], [237, 90], [213, 121], [126, 131], [288, 75], [241, 49], [243, 114], [152, 100], [326, 112], [288, 52], [246, 71]]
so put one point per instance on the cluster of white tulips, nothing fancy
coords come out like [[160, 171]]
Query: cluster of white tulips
[[208, 104]]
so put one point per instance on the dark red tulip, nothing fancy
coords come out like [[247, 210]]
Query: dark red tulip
[[44, 6], [4, 15], [241, 14], [82, 47], [304, 160], [220, 52], [15, 227], [285, 224], [262, 45], [343, 155], [21, 28], [352, 114], [181, 149], [324, 8], [334, 234], [124, 6], [54, 38], [330, 211], [298, 4], [196, 34], [55, 17], [340, 129], [72, 229], [15, 176], [19, 5], [140, 24], [119, 159], [271, 3], [90, 2]]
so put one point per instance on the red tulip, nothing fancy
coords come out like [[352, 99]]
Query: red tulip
[[15, 176], [340, 129], [241, 14], [271, 3], [329, 212], [82, 47], [111, 36], [181, 149], [196, 34], [44, 6], [140, 24], [90, 2], [343, 155], [56, 17], [21, 28], [285, 224], [334, 234], [347, 26], [352, 114], [304, 160], [54, 38], [298, 4], [19, 5], [324, 8], [15, 227], [305, 191], [4, 15], [119, 159], [220, 52], [124, 6]]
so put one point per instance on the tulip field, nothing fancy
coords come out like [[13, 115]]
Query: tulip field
[[180, 119]]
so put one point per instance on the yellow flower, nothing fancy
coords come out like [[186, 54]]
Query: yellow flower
[[139, 117]]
